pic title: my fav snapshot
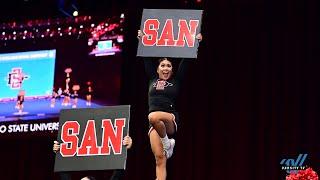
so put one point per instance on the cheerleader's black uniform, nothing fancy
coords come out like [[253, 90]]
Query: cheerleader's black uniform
[[163, 93]]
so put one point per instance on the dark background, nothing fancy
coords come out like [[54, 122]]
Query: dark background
[[248, 101]]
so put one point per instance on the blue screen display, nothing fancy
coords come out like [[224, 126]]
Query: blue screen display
[[31, 71]]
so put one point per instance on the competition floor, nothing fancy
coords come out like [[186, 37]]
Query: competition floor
[[36, 109]]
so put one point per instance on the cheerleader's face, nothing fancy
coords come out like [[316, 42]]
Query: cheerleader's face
[[165, 69]]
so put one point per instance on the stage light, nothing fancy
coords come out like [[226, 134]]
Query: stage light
[[120, 39], [122, 15], [75, 9], [75, 13], [38, 31]]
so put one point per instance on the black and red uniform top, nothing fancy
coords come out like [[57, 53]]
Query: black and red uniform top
[[163, 93]]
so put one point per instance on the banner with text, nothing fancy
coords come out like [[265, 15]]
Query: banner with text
[[91, 139], [30, 127], [169, 33]]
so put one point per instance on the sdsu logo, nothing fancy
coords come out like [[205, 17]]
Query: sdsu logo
[[161, 84], [111, 138], [16, 77]]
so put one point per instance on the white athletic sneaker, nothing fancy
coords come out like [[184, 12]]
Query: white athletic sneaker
[[168, 152]]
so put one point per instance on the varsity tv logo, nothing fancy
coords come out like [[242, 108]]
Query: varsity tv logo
[[293, 165]]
